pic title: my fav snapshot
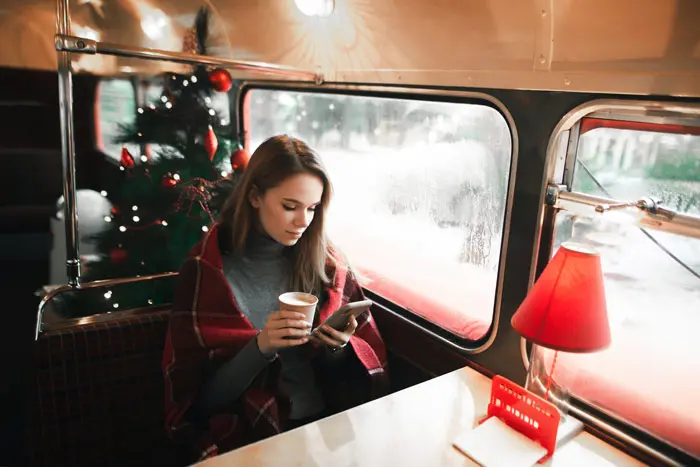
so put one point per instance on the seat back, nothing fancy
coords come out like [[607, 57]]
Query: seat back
[[97, 394]]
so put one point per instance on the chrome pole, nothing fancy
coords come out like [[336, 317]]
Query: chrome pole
[[68, 43], [65, 100]]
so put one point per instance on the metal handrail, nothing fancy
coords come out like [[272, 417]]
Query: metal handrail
[[68, 43], [88, 285], [650, 213]]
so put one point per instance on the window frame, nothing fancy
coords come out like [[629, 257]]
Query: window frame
[[559, 170], [454, 341]]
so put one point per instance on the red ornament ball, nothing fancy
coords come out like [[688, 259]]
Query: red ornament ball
[[220, 80], [115, 211], [168, 181], [239, 160], [118, 255]]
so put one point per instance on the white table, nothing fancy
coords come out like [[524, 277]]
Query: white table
[[413, 427]]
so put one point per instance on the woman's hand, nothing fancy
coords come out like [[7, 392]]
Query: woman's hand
[[334, 338], [283, 329]]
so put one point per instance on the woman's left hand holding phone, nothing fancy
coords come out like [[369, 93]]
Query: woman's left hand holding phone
[[334, 338]]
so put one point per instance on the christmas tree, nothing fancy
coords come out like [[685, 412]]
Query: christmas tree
[[170, 191]]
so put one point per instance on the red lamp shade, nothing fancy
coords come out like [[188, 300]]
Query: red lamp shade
[[566, 310]]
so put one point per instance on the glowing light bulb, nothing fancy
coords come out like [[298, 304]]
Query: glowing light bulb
[[320, 8], [154, 23]]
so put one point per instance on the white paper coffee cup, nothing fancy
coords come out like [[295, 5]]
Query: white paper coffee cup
[[300, 302]]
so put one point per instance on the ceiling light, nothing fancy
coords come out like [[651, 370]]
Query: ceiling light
[[320, 8]]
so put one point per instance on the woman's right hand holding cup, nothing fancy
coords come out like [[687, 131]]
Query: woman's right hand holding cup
[[283, 329]]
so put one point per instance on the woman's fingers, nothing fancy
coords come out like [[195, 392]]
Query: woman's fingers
[[284, 314], [352, 326], [284, 329], [331, 337], [287, 319], [326, 339], [288, 337], [281, 342], [289, 333], [289, 329], [337, 336], [288, 323]]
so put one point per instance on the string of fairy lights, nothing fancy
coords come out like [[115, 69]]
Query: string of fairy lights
[[193, 192], [196, 192]]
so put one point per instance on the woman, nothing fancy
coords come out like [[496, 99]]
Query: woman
[[236, 368]]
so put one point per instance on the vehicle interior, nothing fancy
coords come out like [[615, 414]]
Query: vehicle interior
[[466, 141]]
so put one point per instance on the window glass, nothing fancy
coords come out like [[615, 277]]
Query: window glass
[[629, 164], [116, 104], [419, 194]]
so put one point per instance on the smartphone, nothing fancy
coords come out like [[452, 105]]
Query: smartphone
[[339, 319]]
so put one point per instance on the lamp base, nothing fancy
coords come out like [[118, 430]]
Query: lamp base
[[541, 381], [569, 428]]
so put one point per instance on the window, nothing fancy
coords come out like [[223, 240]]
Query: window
[[116, 105], [652, 278], [419, 194]]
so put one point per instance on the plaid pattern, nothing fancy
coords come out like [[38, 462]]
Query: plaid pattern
[[98, 394], [206, 328]]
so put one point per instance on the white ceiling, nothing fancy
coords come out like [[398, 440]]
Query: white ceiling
[[620, 46]]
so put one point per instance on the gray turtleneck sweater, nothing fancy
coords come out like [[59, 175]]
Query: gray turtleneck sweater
[[257, 279]]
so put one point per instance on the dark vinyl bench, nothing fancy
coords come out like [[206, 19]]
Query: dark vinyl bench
[[96, 394]]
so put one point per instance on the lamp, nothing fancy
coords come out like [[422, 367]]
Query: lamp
[[565, 311]]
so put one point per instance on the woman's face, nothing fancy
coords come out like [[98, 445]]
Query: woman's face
[[286, 210]]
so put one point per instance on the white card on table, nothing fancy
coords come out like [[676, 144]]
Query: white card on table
[[495, 444]]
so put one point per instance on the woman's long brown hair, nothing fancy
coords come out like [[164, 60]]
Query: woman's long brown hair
[[274, 161]]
